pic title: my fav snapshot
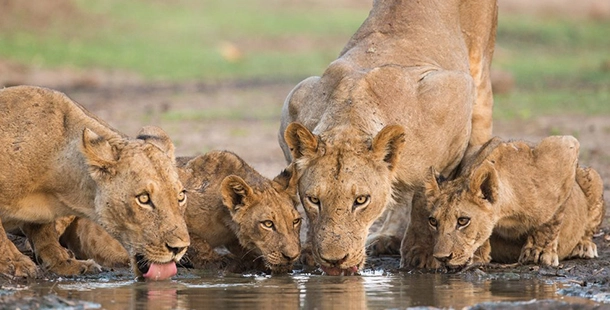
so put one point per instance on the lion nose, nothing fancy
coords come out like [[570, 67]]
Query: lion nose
[[443, 258], [175, 250], [335, 262], [289, 257]]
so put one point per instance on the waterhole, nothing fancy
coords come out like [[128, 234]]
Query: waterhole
[[373, 290]]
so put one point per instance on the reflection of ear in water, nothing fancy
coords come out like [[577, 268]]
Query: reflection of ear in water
[[326, 292]]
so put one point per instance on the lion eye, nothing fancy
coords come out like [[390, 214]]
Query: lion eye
[[432, 221], [463, 221], [361, 200], [267, 224], [296, 222], [143, 199], [314, 200], [182, 197]]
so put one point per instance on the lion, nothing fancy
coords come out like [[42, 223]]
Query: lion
[[60, 160], [515, 202], [230, 205], [410, 90]]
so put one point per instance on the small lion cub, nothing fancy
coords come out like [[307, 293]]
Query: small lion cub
[[232, 205], [534, 201]]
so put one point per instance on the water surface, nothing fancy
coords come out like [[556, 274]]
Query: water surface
[[374, 290]]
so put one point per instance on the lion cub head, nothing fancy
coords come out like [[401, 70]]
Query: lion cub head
[[344, 187], [267, 222], [461, 214], [139, 198]]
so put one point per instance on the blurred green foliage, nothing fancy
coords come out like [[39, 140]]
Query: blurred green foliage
[[559, 65]]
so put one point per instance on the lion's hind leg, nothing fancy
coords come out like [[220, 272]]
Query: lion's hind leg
[[591, 184]]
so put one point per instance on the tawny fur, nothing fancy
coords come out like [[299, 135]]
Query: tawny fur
[[515, 202], [410, 90], [59, 160], [229, 205], [88, 240]]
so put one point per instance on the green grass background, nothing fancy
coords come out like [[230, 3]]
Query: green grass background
[[559, 65]]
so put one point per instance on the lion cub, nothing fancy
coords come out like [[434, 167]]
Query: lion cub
[[534, 201], [229, 204], [232, 205], [59, 160]]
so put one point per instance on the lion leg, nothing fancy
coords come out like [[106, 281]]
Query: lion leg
[[202, 256], [477, 15], [541, 244], [483, 254], [306, 257], [87, 239], [388, 238], [591, 184], [54, 257], [416, 250], [13, 262], [241, 260]]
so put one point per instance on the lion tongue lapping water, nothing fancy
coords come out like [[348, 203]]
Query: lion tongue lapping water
[[161, 271], [155, 271]]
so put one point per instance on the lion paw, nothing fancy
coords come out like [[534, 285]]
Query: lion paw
[[307, 257], [379, 244], [538, 255], [74, 267], [419, 258], [585, 249], [20, 267]]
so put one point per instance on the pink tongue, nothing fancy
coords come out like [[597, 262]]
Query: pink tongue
[[161, 271]]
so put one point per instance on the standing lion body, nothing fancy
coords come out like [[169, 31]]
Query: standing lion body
[[410, 90], [59, 160]]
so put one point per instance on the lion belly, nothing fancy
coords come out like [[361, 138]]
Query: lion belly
[[35, 208]]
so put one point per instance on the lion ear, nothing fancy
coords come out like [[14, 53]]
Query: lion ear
[[431, 182], [301, 141], [99, 154], [157, 137], [388, 144], [484, 183], [287, 180], [235, 193]]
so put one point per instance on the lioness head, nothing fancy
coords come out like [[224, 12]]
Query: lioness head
[[139, 198], [344, 187], [461, 213], [268, 224]]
